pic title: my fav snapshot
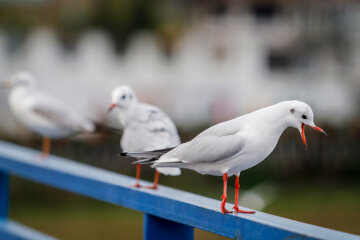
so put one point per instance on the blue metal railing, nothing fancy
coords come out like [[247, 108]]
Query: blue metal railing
[[168, 213]]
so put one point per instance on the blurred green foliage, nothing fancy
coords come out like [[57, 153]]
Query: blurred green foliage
[[70, 19]]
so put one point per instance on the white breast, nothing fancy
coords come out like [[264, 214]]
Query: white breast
[[258, 147]]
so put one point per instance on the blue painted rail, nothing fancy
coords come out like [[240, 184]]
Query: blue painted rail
[[168, 213]]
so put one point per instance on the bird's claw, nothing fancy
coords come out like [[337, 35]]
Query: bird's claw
[[224, 210], [42, 157], [137, 185], [237, 210], [152, 187]]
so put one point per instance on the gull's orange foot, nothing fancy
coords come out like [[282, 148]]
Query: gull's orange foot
[[152, 187], [224, 210], [222, 206], [237, 210], [137, 185], [42, 157]]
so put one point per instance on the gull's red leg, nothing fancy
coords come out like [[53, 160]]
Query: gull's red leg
[[224, 196], [156, 181], [138, 170], [236, 205], [46, 145]]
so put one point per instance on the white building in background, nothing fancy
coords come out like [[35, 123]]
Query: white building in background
[[219, 69]]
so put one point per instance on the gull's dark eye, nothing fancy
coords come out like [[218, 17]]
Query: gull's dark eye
[[123, 96], [304, 116]]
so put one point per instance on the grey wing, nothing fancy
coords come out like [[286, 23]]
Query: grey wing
[[207, 149], [150, 129], [59, 114], [159, 125], [139, 138]]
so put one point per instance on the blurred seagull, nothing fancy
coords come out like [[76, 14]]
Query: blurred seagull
[[146, 128], [41, 113], [233, 146]]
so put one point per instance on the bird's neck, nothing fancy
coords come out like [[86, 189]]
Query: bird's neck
[[19, 92], [125, 114], [274, 119]]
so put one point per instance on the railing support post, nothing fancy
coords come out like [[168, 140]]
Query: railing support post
[[162, 229], [4, 194]]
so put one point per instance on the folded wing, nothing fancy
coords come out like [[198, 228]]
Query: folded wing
[[204, 149], [59, 114]]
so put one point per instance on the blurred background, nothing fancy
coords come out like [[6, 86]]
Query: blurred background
[[202, 62]]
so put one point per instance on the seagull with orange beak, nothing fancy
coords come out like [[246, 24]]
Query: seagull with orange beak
[[146, 128], [42, 113], [231, 147]]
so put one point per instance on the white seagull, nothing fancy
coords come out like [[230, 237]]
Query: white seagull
[[146, 128], [231, 147], [41, 113]]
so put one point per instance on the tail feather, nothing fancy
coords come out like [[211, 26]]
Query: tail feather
[[145, 161], [147, 155], [176, 164], [169, 171], [88, 127]]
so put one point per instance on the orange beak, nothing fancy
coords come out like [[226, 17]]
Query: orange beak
[[303, 132], [112, 106]]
